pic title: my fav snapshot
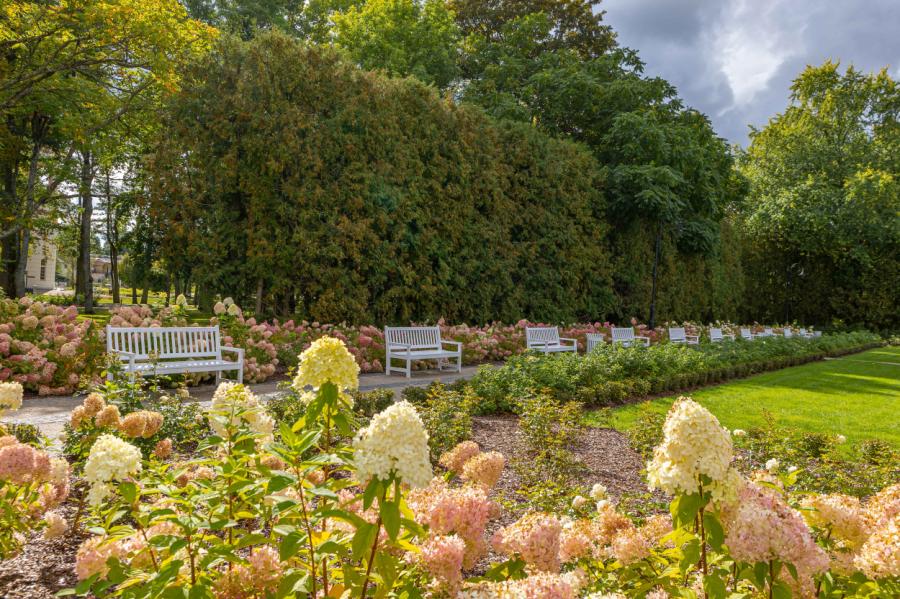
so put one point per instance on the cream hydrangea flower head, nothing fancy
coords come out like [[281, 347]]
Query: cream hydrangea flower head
[[694, 444], [110, 459], [10, 396], [394, 442], [243, 406], [327, 361]]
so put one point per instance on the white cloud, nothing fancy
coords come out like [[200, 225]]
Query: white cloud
[[735, 59], [750, 46]]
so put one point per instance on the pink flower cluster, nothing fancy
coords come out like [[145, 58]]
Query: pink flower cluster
[[467, 461], [442, 557], [535, 538], [463, 511], [45, 347], [22, 464], [541, 585], [761, 527]]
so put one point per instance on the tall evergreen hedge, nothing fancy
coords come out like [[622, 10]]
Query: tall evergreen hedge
[[344, 195]]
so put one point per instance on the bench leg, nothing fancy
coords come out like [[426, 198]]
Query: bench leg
[[459, 362], [387, 362], [240, 374], [408, 368]]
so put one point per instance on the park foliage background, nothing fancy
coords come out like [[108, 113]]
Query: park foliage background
[[383, 161]]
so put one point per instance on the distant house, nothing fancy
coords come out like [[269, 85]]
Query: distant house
[[40, 269], [101, 266]]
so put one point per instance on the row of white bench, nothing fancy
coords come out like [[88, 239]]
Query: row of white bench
[[547, 339], [149, 351]]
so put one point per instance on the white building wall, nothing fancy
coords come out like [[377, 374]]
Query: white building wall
[[40, 270]]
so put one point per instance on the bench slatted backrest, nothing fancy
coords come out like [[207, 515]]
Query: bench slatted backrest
[[677, 334], [540, 336], [416, 337], [801, 331], [165, 343], [715, 334], [746, 334], [788, 332], [623, 334], [593, 340]]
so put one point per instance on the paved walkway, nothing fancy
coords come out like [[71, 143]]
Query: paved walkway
[[50, 413]]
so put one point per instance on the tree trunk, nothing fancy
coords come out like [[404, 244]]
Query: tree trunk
[[10, 244], [133, 292], [39, 126], [112, 239], [259, 298], [656, 251], [84, 283], [19, 282]]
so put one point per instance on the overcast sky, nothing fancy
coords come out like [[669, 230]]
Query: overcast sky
[[734, 59]]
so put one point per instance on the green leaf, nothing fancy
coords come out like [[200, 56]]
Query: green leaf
[[373, 490], [290, 545], [690, 554], [684, 509], [714, 586], [363, 540], [390, 515], [780, 590], [715, 534]]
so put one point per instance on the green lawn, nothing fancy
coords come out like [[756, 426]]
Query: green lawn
[[857, 396]]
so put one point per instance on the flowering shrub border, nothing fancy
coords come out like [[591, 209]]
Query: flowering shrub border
[[260, 515], [44, 346]]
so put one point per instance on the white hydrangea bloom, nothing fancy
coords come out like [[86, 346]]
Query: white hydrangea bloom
[[10, 396], [694, 444], [59, 470], [395, 441], [772, 465], [110, 459], [327, 360], [738, 432], [598, 492], [243, 405]]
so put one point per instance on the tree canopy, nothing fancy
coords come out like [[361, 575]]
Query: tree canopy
[[823, 212]]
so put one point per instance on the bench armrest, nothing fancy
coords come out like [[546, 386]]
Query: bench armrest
[[237, 350], [696, 337], [538, 343], [126, 354], [574, 341], [728, 335], [392, 344], [458, 344]]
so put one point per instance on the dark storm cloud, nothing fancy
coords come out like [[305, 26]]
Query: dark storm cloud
[[735, 59]]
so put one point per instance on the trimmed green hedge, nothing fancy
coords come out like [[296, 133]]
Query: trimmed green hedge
[[611, 374]]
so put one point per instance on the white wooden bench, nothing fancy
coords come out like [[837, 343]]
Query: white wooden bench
[[717, 336], [593, 340], [625, 336], [547, 340], [787, 332], [679, 335], [767, 332], [149, 351], [802, 332], [748, 335], [418, 343]]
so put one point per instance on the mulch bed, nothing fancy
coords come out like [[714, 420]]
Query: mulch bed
[[45, 567]]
